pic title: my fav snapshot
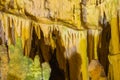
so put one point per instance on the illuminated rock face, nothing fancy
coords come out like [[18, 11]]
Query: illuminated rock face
[[65, 11], [74, 31], [68, 44]]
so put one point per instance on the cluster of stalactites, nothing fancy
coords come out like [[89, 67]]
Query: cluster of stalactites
[[14, 27]]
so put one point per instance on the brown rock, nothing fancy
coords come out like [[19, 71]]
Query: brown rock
[[96, 70]]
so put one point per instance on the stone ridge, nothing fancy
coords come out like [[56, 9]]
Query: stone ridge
[[67, 11]]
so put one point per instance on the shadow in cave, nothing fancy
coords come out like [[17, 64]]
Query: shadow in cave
[[75, 63], [34, 45], [73, 66], [57, 58], [68, 59], [56, 72], [39, 47], [103, 50], [70, 66]]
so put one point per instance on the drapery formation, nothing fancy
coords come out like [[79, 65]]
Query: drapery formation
[[76, 31], [56, 36]]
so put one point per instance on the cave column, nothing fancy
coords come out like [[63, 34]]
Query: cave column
[[114, 56], [82, 49], [93, 40]]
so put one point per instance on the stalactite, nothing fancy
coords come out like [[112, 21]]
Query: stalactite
[[23, 33], [2, 36], [12, 27], [17, 29], [46, 33], [27, 36], [45, 50], [96, 41], [5, 25], [72, 52], [66, 40], [93, 40], [28, 44], [37, 29], [81, 49]]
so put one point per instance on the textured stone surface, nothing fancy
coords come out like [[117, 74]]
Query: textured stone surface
[[66, 11], [96, 70], [58, 28]]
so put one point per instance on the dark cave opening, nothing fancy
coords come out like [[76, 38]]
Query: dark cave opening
[[56, 72]]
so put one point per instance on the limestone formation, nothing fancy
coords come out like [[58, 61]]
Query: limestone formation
[[3, 62], [67, 34], [96, 70]]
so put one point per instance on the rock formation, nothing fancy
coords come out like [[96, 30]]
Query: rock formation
[[66, 33]]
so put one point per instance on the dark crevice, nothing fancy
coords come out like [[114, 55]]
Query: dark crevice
[[103, 51], [56, 72]]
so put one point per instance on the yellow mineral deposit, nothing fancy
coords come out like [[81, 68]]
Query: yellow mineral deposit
[[93, 40], [69, 29], [82, 50]]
